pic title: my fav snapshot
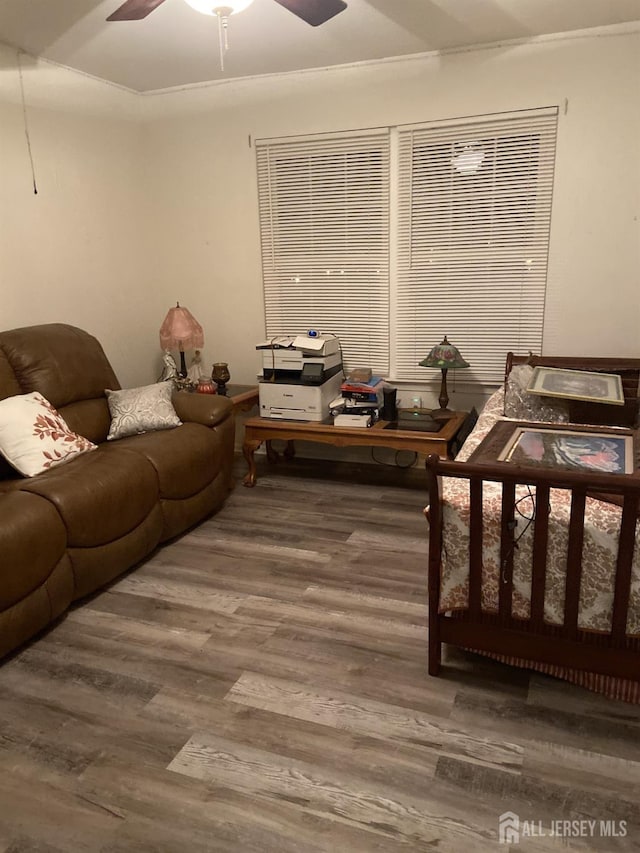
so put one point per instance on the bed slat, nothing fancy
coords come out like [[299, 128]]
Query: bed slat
[[574, 564], [434, 517], [507, 539], [626, 543], [540, 539]]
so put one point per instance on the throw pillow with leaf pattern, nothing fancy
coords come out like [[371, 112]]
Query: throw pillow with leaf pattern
[[35, 437]]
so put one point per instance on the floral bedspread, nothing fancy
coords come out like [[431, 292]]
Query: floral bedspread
[[602, 525]]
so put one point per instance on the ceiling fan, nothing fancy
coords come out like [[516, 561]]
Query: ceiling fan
[[314, 12]]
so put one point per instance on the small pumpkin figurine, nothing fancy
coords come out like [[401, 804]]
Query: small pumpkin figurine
[[205, 386]]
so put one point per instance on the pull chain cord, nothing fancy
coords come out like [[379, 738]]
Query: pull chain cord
[[223, 40], [26, 124]]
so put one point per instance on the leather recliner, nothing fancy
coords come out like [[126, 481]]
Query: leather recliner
[[66, 532]]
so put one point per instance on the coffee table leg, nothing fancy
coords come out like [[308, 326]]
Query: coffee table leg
[[248, 449], [272, 455]]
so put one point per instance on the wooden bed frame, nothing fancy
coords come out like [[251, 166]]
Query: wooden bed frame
[[533, 640]]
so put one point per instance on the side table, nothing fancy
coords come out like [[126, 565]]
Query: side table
[[243, 397]]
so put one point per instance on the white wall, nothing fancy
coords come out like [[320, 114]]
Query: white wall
[[203, 189], [77, 251]]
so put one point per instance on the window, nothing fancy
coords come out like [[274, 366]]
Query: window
[[324, 221], [462, 252], [474, 212]]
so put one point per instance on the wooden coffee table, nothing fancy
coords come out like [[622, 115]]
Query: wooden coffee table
[[258, 430]]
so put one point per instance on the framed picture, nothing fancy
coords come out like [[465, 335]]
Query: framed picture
[[599, 450], [571, 449], [577, 385]]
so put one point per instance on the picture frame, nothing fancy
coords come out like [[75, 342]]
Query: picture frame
[[592, 386], [565, 446]]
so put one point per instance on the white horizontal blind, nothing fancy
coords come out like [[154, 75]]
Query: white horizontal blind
[[473, 235], [324, 223]]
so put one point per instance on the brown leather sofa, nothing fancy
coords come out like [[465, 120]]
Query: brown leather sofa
[[66, 532]]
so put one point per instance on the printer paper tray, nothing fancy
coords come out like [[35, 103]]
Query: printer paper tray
[[295, 415]]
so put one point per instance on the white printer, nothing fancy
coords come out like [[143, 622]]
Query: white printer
[[301, 376], [301, 358]]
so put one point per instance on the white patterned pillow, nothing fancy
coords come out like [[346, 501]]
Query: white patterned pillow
[[136, 410], [35, 437]]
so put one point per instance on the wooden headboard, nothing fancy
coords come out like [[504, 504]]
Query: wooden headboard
[[584, 412]]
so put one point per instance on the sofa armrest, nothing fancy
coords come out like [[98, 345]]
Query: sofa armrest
[[205, 409]]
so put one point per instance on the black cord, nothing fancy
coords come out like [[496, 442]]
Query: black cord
[[333, 335], [272, 378], [529, 519], [395, 464], [529, 496]]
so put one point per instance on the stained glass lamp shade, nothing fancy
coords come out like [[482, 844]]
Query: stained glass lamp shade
[[445, 357]]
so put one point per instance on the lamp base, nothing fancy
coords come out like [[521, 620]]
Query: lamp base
[[442, 414]]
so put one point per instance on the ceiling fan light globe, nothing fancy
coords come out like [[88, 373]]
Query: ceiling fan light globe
[[211, 7]]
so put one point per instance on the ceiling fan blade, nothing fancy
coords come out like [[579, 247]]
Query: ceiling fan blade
[[134, 10], [314, 12]]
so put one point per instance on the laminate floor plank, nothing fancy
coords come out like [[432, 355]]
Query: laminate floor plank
[[388, 541], [368, 757], [168, 811], [327, 598], [179, 591], [43, 809], [554, 693], [171, 615], [73, 684], [326, 663], [244, 544], [259, 685], [200, 567], [585, 769], [135, 738], [331, 530], [156, 664], [516, 719], [215, 759], [342, 619], [393, 723], [132, 631]]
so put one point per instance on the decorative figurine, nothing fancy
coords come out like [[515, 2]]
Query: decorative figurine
[[220, 375], [196, 370], [169, 369]]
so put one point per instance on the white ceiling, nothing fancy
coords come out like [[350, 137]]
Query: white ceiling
[[176, 46]]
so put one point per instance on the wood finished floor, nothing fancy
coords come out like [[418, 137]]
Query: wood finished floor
[[260, 685]]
